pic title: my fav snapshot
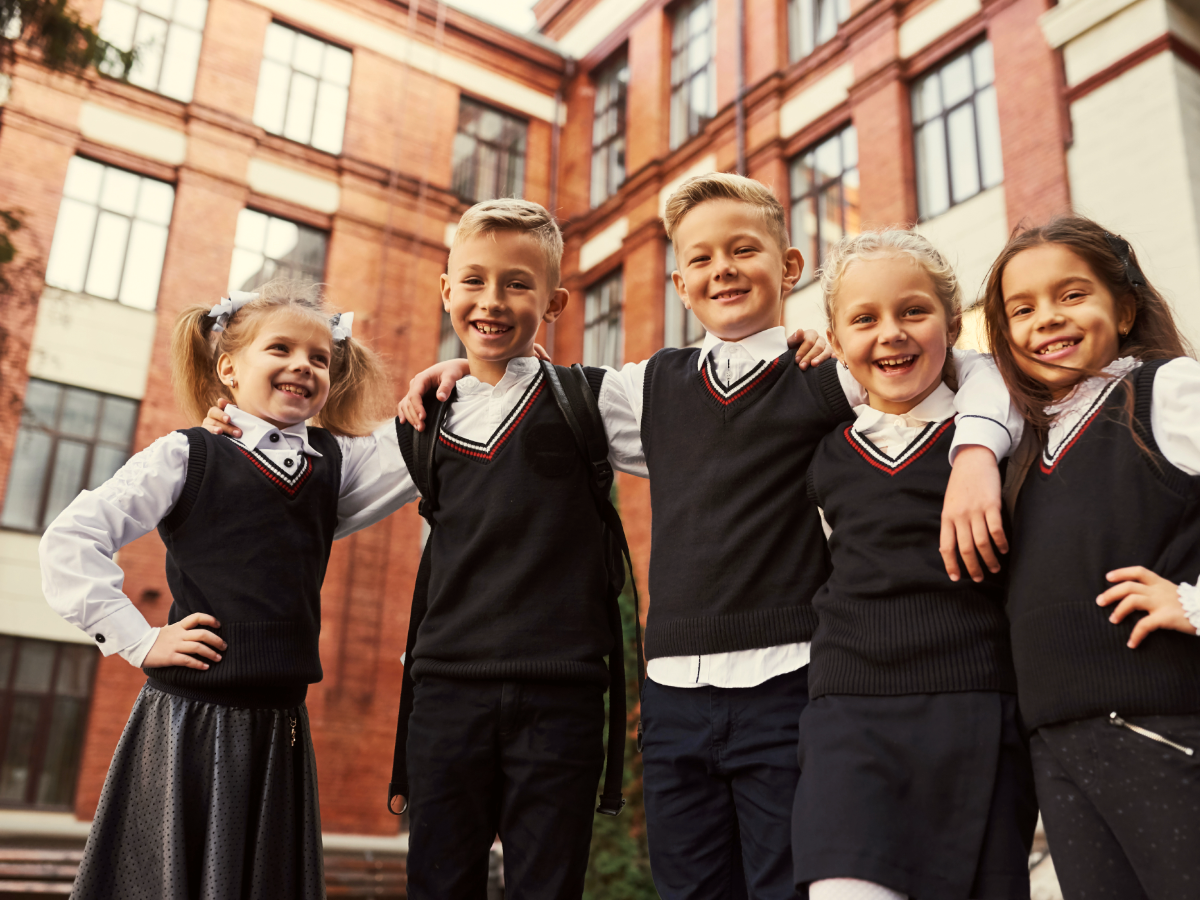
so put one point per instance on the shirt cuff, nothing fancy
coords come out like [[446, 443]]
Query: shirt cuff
[[120, 630], [981, 431], [1189, 598], [135, 655]]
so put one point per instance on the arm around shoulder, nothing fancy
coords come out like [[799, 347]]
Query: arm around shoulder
[[986, 414], [1175, 413]]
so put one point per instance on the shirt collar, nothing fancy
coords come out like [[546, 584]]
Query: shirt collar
[[762, 346], [1086, 391], [518, 367], [937, 407], [256, 434]]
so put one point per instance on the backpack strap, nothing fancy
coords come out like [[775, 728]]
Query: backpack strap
[[417, 448], [576, 398]]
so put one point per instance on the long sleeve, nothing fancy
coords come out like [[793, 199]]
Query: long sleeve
[[375, 480], [620, 405], [80, 576], [1175, 413]]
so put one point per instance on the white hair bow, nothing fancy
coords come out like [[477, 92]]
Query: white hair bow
[[227, 307], [342, 326]]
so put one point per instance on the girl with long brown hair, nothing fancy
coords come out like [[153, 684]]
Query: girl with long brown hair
[[1106, 553], [212, 791]]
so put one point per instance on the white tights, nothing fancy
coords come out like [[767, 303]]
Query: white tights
[[851, 889]]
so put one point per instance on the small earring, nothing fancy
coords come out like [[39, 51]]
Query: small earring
[[845, 365]]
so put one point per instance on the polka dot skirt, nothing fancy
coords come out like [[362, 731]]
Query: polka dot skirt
[[207, 802]]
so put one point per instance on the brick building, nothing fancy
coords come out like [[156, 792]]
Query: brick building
[[342, 138]]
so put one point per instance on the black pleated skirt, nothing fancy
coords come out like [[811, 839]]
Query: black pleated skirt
[[930, 795], [207, 802]]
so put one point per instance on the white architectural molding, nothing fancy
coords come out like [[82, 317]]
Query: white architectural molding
[[118, 129], [26, 613], [603, 245], [971, 235], [702, 166], [297, 187], [91, 343], [932, 22], [1072, 18], [816, 100], [597, 24], [370, 34]]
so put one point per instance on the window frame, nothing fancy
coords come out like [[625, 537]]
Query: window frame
[[298, 272], [449, 346], [814, 191], [56, 436], [676, 316], [43, 729], [612, 78], [796, 50], [112, 68], [682, 75], [501, 151], [598, 323]]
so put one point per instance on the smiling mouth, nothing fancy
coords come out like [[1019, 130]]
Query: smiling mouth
[[1058, 345], [895, 364], [293, 389], [490, 327], [731, 294]]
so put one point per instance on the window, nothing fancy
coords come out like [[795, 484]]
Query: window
[[449, 346], [602, 338], [824, 182], [489, 153], [693, 72], [111, 235], [608, 131], [167, 36], [813, 22], [69, 439], [45, 688], [267, 247], [303, 88], [957, 131], [681, 328]]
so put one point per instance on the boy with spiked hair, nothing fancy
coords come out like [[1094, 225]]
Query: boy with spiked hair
[[725, 433]]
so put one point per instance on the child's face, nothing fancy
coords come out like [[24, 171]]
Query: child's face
[[891, 330], [282, 375], [498, 293], [732, 273], [1063, 321]]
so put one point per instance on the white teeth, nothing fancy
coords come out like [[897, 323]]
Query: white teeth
[[292, 389], [901, 361], [1057, 345], [490, 329]]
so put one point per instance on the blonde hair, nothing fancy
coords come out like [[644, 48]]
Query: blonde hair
[[896, 242], [523, 216], [726, 186], [358, 386]]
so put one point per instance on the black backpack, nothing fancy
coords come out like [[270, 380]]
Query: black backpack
[[576, 398]]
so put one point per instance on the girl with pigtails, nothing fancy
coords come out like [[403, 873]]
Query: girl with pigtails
[[212, 791]]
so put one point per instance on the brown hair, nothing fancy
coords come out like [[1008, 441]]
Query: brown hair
[[358, 385], [898, 241], [523, 216], [1154, 334], [726, 186]]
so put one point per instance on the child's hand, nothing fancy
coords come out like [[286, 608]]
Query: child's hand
[[1141, 589], [971, 520], [218, 422], [445, 375], [810, 348], [540, 352], [175, 642]]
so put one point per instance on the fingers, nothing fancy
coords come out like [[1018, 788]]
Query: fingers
[[195, 648], [190, 662], [540, 352], [1132, 573], [995, 526], [446, 385], [1132, 603], [948, 547], [411, 413], [982, 536], [1142, 628], [222, 402], [187, 623], [826, 353], [207, 637], [1119, 592], [796, 338], [966, 549]]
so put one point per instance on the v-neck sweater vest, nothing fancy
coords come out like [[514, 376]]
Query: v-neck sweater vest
[[248, 542], [520, 573], [1095, 503], [737, 549], [890, 620]]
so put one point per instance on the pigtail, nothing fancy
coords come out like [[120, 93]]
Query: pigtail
[[192, 364], [359, 391]]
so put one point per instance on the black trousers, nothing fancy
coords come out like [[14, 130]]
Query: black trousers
[[1122, 811], [518, 759], [719, 777]]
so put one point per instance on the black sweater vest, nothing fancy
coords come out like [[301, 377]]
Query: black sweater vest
[[736, 546], [890, 620], [248, 542], [520, 560], [1098, 503]]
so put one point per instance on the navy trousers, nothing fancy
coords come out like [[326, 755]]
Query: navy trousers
[[720, 774], [518, 759]]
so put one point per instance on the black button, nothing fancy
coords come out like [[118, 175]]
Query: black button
[[274, 439], [99, 639], [288, 463]]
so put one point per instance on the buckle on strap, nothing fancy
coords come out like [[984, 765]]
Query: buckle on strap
[[607, 808], [425, 509]]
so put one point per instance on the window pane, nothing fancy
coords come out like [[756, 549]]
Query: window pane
[[330, 121], [117, 421], [18, 749], [850, 147], [827, 20], [105, 462], [108, 255], [120, 191], [35, 663], [155, 201], [301, 103], [8, 646], [306, 57], [69, 254], [79, 411], [282, 238], [117, 24], [270, 103], [75, 666], [179, 65], [926, 99], [191, 13], [279, 43], [337, 65], [41, 404], [83, 179], [143, 268], [828, 157], [67, 479], [161, 8], [931, 169], [244, 273], [988, 120], [956, 80], [25, 480], [985, 73], [63, 746], [964, 163], [251, 230], [151, 42]]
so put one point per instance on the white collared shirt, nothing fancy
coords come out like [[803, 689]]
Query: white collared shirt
[[986, 417], [892, 432]]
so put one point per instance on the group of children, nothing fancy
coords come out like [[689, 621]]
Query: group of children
[[829, 706]]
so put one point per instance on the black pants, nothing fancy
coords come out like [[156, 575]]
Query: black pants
[[720, 775], [518, 759], [1122, 811]]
